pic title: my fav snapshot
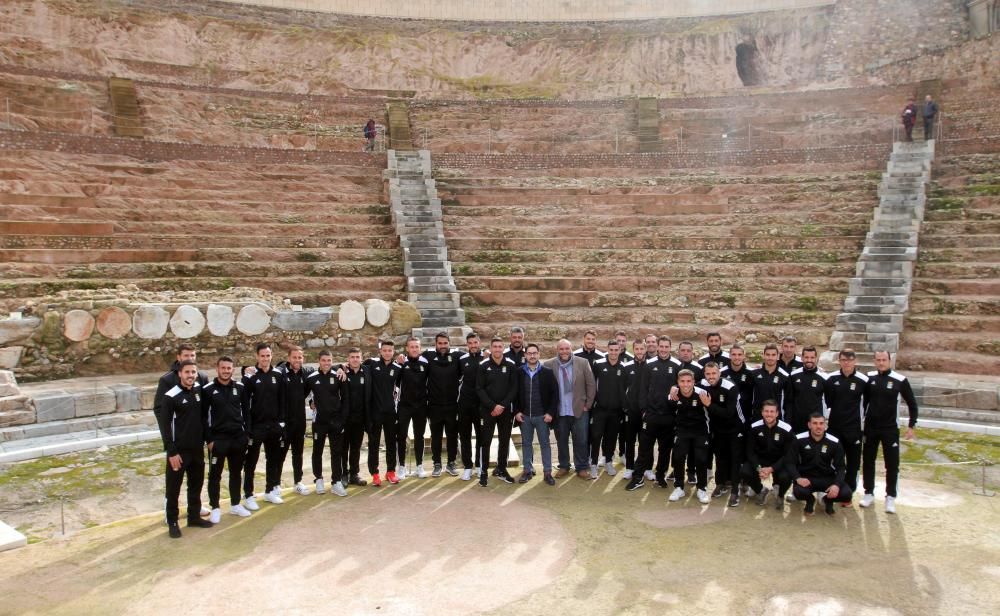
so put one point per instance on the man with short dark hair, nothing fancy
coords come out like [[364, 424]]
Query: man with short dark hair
[[741, 375], [226, 410], [265, 389], [496, 385], [788, 360], [690, 406], [715, 353], [685, 355], [844, 393], [726, 426], [768, 442], [589, 349], [330, 395], [180, 423], [818, 467], [611, 381], [468, 402], [633, 415], [929, 113], [294, 375], [515, 349], [412, 407], [537, 407], [770, 382], [885, 388], [658, 418], [444, 376], [805, 391], [622, 339], [359, 397], [384, 373]]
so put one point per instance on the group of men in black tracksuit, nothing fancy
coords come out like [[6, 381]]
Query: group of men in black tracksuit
[[786, 421]]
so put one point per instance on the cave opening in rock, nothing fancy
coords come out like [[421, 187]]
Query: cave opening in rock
[[746, 64]]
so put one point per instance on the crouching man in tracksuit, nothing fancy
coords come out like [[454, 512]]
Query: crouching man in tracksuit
[[768, 441], [691, 406], [330, 397], [180, 422], [818, 466], [226, 409]]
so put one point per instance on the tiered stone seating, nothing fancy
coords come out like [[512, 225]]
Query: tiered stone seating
[[314, 233], [954, 319], [753, 256], [38, 103]]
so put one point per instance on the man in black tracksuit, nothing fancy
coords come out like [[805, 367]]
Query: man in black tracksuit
[[413, 406], [384, 373], [359, 385], [589, 349], [845, 393], [611, 379], [633, 414], [739, 373], [657, 416], [294, 374], [332, 399], [468, 403], [691, 406], [445, 374], [685, 355], [881, 426], [806, 386], [496, 385], [770, 382], [768, 442], [727, 426], [265, 388], [226, 408], [180, 421], [715, 352], [818, 466]]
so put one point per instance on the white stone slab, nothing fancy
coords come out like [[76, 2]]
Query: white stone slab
[[220, 319], [10, 538], [150, 322], [377, 312], [187, 322], [352, 315], [253, 320], [78, 325], [113, 322]]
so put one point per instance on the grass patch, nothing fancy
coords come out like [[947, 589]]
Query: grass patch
[[807, 303], [991, 190]]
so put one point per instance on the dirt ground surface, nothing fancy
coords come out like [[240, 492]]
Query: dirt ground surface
[[447, 546]]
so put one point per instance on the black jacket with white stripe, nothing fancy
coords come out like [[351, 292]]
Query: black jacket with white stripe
[[692, 417], [660, 375], [818, 459], [226, 409], [845, 397], [181, 421], [882, 400], [725, 412], [612, 385]]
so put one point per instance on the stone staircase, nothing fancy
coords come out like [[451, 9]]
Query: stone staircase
[[648, 120], [416, 212], [878, 296], [125, 107], [400, 138]]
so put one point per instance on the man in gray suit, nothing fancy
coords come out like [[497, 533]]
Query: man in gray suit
[[576, 396]]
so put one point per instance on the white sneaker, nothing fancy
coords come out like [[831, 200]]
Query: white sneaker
[[250, 503], [421, 473], [703, 497], [676, 495], [609, 468], [300, 488], [790, 498], [890, 504], [205, 511], [320, 487], [467, 474], [273, 498], [593, 471], [601, 461], [628, 473], [338, 489], [400, 471], [867, 500], [650, 475], [239, 510], [215, 516]]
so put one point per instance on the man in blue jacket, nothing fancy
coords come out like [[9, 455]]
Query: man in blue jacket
[[537, 406]]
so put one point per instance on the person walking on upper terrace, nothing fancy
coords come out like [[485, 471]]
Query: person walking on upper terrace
[[930, 113], [370, 133], [909, 117]]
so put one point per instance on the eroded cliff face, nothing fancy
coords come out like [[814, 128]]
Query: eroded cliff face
[[298, 52]]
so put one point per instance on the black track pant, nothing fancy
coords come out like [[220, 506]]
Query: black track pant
[[659, 431], [350, 452], [273, 445], [604, 428], [296, 441], [852, 444], [468, 422], [418, 415], [503, 424], [821, 484], [192, 466], [335, 435], [751, 478], [383, 424], [729, 451], [630, 432], [444, 423], [889, 440], [224, 452], [697, 449]]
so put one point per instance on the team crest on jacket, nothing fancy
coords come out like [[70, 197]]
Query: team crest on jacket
[[274, 380], [331, 379], [197, 397], [854, 386], [823, 450], [392, 372], [722, 397], [362, 380], [775, 380], [503, 369]]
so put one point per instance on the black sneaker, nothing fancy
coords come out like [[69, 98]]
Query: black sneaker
[[483, 478], [734, 498], [505, 477], [829, 506], [451, 470], [358, 481], [636, 482], [720, 490], [495, 472], [662, 482], [779, 502], [810, 505], [175, 530], [199, 523], [437, 470], [762, 497]]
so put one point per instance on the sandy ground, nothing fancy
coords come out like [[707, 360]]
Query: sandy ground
[[446, 546]]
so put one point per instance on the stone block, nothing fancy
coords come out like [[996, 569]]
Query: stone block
[[17, 330], [150, 322], [220, 319], [10, 357], [78, 325], [97, 401], [405, 317], [351, 315], [302, 320], [377, 312], [253, 319], [54, 405], [960, 394], [15, 411], [127, 398], [10, 538], [147, 394], [7, 378], [113, 322], [187, 322]]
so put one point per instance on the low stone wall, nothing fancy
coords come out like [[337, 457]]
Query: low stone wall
[[102, 335]]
